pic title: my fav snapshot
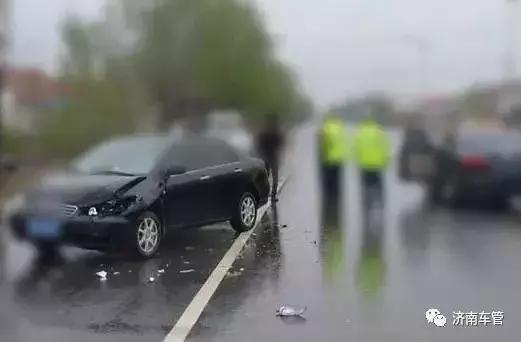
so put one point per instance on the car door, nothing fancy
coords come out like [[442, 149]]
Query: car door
[[185, 199], [187, 195], [228, 184], [223, 188]]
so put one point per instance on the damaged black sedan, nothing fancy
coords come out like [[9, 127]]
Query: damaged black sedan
[[129, 192]]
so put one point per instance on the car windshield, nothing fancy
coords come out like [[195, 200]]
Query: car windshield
[[225, 124], [490, 143], [127, 156]]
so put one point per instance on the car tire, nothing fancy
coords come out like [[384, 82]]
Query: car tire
[[46, 250], [147, 234], [499, 203], [245, 214]]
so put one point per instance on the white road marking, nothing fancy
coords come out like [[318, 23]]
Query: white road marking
[[194, 310]]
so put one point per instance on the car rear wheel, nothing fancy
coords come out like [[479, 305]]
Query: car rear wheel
[[148, 234], [245, 214], [47, 250]]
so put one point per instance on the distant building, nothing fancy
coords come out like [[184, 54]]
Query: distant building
[[28, 94]]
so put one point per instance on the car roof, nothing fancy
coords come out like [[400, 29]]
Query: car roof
[[488, 132], [170, 139]]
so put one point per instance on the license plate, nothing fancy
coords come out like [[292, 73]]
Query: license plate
[[44, 228]]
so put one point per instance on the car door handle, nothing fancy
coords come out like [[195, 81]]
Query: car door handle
[[237, 170], [203, 178]]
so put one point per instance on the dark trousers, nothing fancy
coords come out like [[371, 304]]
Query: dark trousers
[[331, 176], [273, 169], [371, 186]]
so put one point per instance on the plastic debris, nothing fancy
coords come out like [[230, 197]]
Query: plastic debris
[[232, 274], [290, 311], [102, 275], [187, 271], [161, 271]]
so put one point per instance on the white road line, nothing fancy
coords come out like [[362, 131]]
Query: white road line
[[194, 310]]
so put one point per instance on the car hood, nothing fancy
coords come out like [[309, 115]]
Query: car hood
[[83, 190]]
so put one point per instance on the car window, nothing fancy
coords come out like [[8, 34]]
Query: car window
[[198, 154], [489, 143], [131, 155]]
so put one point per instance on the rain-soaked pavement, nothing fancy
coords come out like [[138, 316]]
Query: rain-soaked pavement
[[360, 282]]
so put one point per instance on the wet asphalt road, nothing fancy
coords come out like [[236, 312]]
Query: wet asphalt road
[[359, 281]]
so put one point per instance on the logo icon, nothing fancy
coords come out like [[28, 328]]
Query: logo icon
[[435, 316], [440, 320]]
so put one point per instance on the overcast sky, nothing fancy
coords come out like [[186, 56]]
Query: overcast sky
[[338, 48]]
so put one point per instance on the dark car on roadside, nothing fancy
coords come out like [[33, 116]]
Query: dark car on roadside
[[127, 193], [477, 165]]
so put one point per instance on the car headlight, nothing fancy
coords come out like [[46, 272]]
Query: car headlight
[[111, 207]]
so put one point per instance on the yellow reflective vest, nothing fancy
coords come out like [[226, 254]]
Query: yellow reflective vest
[[372, 147], [333, 141]]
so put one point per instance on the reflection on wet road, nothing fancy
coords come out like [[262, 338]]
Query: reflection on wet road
[[363, 275], [66, 301], [370, 278]]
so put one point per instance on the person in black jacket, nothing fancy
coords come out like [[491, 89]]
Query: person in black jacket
[[269, 143]]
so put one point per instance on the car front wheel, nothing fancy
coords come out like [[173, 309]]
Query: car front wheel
[[148, 234], [245, 214]]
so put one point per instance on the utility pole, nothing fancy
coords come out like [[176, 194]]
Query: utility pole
[[511, 26], [508, 99], [423, 48], [4, 25]]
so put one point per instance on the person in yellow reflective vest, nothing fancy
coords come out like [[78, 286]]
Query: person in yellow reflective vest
[[372, 152], [333, 155]]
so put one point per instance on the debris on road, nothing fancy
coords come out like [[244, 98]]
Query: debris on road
[[233, 274], [102, 275], [290, 311], [187, 271]]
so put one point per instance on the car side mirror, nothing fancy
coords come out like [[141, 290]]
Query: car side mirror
[[175, 170]]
